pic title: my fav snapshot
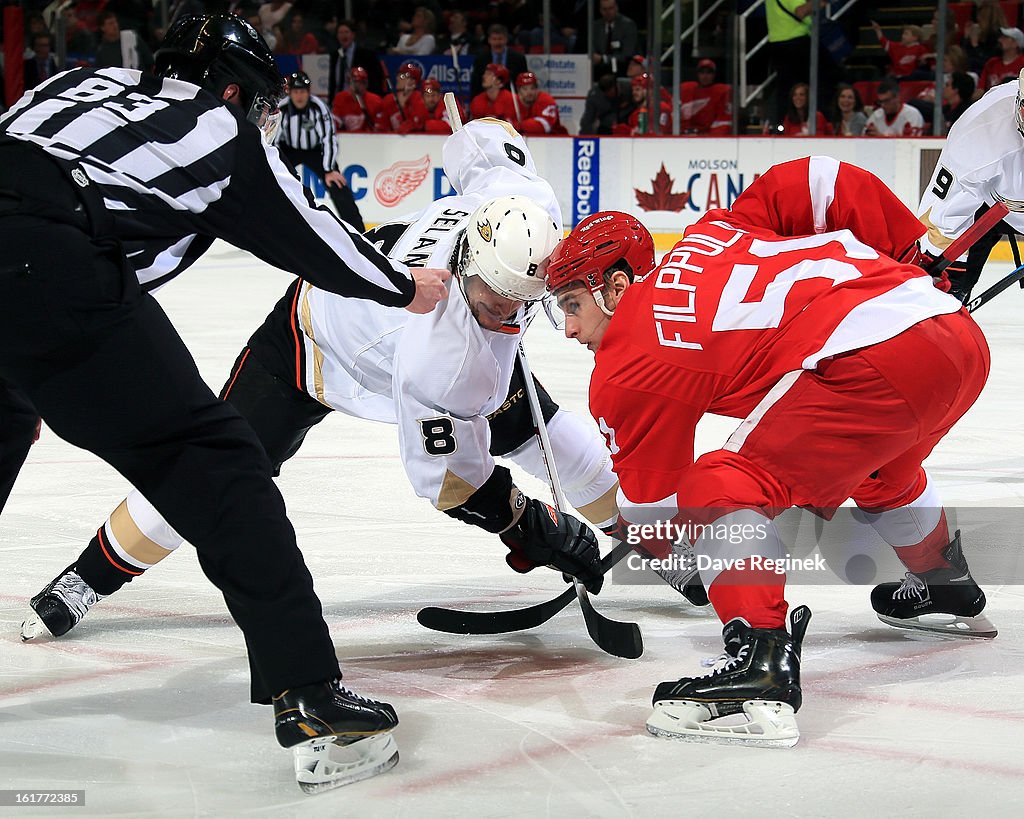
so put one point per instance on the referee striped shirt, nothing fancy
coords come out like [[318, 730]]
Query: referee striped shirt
[[309, 129], [177, 168]]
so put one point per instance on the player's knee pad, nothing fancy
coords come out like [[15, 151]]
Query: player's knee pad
[[722, 481]]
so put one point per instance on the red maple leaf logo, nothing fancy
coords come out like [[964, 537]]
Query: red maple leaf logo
[[661, 196]]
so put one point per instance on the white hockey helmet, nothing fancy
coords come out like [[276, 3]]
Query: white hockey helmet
[[507, 241], [1019, 111]]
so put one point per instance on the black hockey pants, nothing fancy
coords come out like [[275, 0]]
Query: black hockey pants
[[104, 367]]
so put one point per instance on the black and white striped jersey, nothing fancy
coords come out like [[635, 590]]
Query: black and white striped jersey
[[309, 129], [177, 168]]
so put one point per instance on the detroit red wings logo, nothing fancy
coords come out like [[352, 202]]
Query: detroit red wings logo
[[393, 184]]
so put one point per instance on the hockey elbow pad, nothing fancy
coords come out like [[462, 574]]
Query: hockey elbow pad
[[495, 506]]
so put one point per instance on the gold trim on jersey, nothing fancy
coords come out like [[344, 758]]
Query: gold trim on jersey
[[935, 236], [306, 319], [603, 509], [512, 132], [454, 491], [131, 539]]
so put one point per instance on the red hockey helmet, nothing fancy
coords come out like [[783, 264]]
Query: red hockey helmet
[[526, 78], [358, 74], [499, 71], [641, 80], [411, 70], [431, 86], [601, 242]]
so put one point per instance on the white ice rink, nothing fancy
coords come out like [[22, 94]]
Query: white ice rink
[[145, 705]]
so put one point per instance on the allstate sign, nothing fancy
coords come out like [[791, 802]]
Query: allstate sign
[[586, 164], [562, 75]]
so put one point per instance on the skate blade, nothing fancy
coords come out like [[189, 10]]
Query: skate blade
[[770, 724], [33, 627], [324, 764], [946, 625]]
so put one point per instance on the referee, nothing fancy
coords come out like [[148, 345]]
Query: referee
[[111, 182], [307, 138]]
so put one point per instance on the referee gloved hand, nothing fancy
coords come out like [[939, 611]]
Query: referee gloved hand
[[430, 288]]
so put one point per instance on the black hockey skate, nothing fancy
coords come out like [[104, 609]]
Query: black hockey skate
[[60, 606], [758, 676], [940, 601], [337, 737]]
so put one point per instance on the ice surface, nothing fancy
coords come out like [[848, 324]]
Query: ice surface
[[145, 704]]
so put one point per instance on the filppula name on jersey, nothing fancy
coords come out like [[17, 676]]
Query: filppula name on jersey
[[706, 563]]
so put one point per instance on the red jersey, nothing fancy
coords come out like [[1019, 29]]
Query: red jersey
[[705, 109], [789, 277], [904, 59], [437, 120], [541, 117], [996, 72], [409, 119], [823, 126], [502, 107], [664, 119], [354, 114]]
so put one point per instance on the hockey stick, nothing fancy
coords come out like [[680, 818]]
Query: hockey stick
[[962, 243], [455, 621], [997, 288], [617, 638]]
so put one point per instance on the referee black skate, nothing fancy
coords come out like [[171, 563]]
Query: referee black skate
[[307, 138], [111, 183]]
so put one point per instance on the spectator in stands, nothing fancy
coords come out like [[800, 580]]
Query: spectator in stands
[[1007, 66], [355, 109], [403, 111], [348, 54], [516, 15], [437, 113], [306, 137], [989, 21], [601, 109], [495, 100], [496, 52], [848, 117], [639, 121], [705, 106], [292, 37], [538, 111], [892, 117], [34, 24], [615, 38], [79, 42], [43, 64], [458, 35], [563, 38], [121, 49], [789, 46], [420, 40], [271, 14], [795, 122], [906, 58], [957, 97]]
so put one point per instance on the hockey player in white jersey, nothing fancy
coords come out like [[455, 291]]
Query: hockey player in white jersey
[[448, 379], [981, 163]]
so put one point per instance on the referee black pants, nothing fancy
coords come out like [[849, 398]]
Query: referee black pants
[[17, 432], [341, 195], [104, 367]]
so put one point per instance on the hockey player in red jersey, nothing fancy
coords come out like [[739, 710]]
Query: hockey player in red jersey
[[845, 366], [705, 105], [538, 110], [437, 114], [404, 111], [356, 109], [639, 121], [495, 100]]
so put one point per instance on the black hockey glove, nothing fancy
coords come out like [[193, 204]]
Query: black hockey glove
[[545, 537]]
